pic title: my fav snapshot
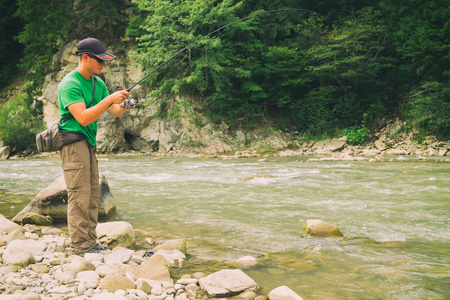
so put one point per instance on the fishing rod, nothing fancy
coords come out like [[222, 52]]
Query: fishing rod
[[130, 103]]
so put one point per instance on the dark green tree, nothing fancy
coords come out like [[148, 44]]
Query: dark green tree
[[10, 49]]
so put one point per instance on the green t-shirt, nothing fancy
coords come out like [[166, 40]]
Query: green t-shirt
[[75, 88]]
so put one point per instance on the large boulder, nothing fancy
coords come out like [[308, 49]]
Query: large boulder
[[227, 283], [8, 226], [52, 201], [319, 228], [116, 234]]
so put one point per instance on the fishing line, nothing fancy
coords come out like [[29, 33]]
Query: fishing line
[[216, 31]]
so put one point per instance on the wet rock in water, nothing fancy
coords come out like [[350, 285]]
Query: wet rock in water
[[177, 244], [174, 257], [283, 293], [227, 283], [245, 296], [37, 219], [9, 226], [247, 261], [319, 228], [155, 268], [52, 201], [116, 234]]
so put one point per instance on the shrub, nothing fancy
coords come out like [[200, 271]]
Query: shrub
[[356, 135], [19, 124], [428, 108]]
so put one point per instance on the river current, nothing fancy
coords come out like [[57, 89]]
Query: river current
[[395, 217]]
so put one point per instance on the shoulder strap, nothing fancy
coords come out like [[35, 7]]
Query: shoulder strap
[[90, 103], [93, 92]]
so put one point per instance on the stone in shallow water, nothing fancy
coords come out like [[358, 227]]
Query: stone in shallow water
[[116, 234], [320, 228], [227, 282], [177, 244], [52, 201], [283, 293]]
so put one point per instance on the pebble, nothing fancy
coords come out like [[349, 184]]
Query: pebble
[[55, 274]]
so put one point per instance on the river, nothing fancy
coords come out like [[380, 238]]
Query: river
[[395, 217]]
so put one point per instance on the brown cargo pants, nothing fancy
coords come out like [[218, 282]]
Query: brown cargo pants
[[79, 164]]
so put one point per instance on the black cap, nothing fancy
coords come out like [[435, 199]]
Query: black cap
[[95, 47]]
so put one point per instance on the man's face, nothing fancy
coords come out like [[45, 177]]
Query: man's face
[[95, 64]]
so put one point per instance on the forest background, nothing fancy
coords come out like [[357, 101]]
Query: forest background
[[328, 69]]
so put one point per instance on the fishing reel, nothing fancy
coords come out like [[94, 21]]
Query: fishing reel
[[129, 103]]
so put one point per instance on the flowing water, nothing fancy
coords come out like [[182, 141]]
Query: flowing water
[[394, 215]]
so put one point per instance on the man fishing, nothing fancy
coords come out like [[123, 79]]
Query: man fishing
[[83, 98]]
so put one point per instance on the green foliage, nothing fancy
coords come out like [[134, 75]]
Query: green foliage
[[294, 70], [286, 66], [9, 48], [19, 124], [420, 32], [47, 24], [356, 135], [429, 108]]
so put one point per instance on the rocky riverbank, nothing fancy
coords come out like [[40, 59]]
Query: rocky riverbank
[[388, 143], [35, 263]]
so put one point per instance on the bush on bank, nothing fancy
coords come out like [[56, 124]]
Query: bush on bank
[[349, 64]]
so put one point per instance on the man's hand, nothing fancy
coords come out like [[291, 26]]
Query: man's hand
[[118, 96]]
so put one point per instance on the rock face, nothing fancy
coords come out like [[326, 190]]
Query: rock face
[[52, 201], [320, 228], [227, 283], [116, 234]]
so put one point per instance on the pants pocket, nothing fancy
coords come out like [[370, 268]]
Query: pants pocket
[[73, 174]]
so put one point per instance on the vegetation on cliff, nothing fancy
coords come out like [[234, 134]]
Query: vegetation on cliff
[[341, 70]]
